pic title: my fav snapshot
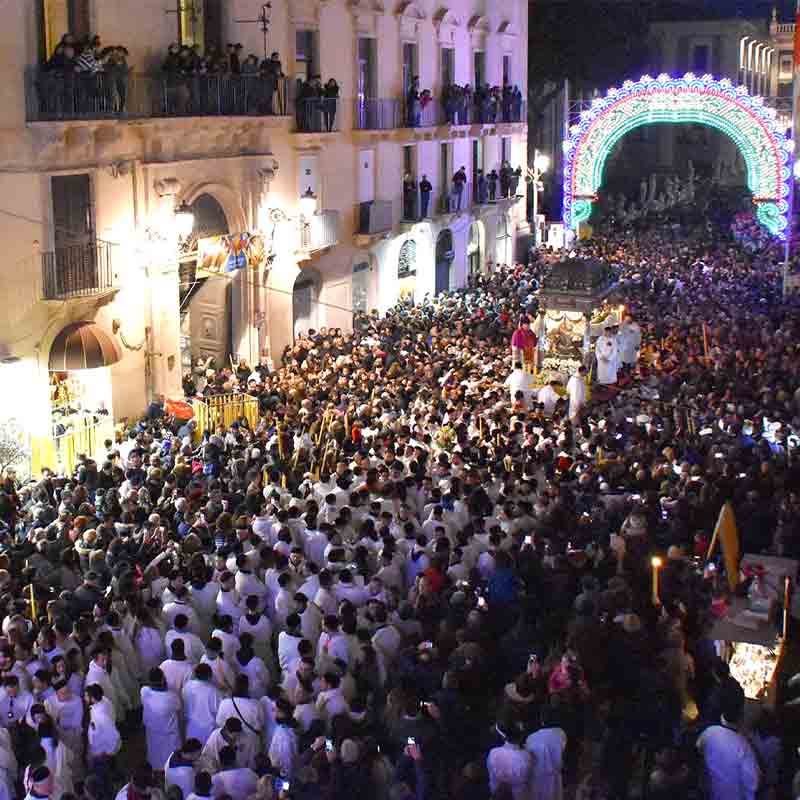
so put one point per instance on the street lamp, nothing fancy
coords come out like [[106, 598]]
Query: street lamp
[[541, 163], [308, 204]]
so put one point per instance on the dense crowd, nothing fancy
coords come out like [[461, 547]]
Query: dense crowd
[[463, 105], [404, 582]]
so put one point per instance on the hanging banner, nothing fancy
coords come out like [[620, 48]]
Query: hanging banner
[[221, 254]]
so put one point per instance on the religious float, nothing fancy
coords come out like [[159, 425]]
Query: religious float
[[573, 294]]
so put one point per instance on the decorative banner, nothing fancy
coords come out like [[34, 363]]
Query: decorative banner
[[702, 100], [231, 252]]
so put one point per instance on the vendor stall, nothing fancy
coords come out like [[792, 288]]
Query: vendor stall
[[748, 627]]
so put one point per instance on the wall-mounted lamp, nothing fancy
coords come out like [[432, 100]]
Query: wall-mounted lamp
[[184, 220]]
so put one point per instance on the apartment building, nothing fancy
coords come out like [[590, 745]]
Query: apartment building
[[169, 192]]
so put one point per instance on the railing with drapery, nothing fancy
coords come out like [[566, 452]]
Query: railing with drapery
[[223, 409], [78, 270], [319, 232], [81, 436], [57, 96]]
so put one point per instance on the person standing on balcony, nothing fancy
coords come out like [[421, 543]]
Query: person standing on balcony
[[505, 179], [409, 197], [330, 99], [492, 181], [459, 182], [483, 189], [425, 189], [516, 176], [413, 107], [516, 105]]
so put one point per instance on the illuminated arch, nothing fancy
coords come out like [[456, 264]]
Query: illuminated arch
[[732, 110]]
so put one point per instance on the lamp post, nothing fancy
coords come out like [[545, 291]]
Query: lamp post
[[541, 163]]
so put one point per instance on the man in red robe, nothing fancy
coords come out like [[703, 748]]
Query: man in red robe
[[523, 343]]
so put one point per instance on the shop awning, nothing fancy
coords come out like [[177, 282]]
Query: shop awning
[[83, 345]]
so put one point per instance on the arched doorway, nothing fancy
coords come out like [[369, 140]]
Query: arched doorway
[[407, 270], [204, 300], [444, 260], [766, 150], [305, 301], [474, 250], [503, 254]]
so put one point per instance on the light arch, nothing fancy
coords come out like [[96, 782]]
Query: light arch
[[705, 100]]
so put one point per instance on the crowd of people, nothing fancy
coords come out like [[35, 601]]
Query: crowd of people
[[463, 105], [403, 582], [316, 105]]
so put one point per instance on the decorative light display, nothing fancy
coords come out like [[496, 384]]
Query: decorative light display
[[767, 152]]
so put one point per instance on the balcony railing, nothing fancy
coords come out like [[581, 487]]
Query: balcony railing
[[453, 200], [55, 96], [320, 232], [317, 114], [77, 270], [375, 217], [376, 115]]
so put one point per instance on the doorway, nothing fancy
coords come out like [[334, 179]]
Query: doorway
[[474, 254], [444, 261], [305, 302]]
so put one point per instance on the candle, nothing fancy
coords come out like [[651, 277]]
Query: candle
[[656, 563], [34, 613]]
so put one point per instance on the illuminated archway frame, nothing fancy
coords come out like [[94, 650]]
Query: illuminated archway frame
[[766, 151]]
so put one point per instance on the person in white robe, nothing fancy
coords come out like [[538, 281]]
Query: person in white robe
[[630, 341], [98, 674], [201, 701], [149, 643], [222, 672], [512, 765], [549, 397], [179, 770], [66, 711], [228, 735], [178, 669], [606, 351], [547, 747], [239, 783], [576, 391], [58, 757], [9, 768], [520, 381], [103, 741], [249, 664], [284, 749], [161, 717], [731, 768], [250, 713]]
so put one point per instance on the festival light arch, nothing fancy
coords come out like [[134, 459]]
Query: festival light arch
[[705, 100]]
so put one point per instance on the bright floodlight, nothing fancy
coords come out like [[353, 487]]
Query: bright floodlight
[[184, 220], [542, 162], [308, 203]]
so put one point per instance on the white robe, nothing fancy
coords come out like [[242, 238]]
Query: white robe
[[201, 703], [151, 648], [511, 765], [8, 767], [68, 718], [250, 713], [576, 389], [631, 338], [547, 748], [59, 761], [238, 783], [606, 352], [161, 716], [549, 397], [731, 769], [181, 776], [99, 675], [520, 381], [283, 750]]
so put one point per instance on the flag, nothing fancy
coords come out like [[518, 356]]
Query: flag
[[728, 535]]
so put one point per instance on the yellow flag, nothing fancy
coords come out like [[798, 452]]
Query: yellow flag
[[728, 535]]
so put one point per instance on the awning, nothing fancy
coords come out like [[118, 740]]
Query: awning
[[83, 345]]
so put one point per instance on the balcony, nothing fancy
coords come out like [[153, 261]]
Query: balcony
[[375, 218], [376, 115], [51, 96], [454, 202], [317, 114], [320, 232], [77, 271]]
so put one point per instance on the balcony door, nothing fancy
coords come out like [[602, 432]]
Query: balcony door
[[200, 22], [57, 17], [75, 260], [409, 66]]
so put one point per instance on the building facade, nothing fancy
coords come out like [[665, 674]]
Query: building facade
[[295, 199]]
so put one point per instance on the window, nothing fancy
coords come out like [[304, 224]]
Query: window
[[57, 17], [409, 160], [445, 165], [308, 176], [477, 163], [199, 22], [448, 66], [409, 66], [479, 58], [407, 260], [505, 149], [73, 217], [700, 58], [305, 55], [785, 68], [507, 70], [366, 69]]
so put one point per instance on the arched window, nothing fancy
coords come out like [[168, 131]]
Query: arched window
[[407, 260]]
